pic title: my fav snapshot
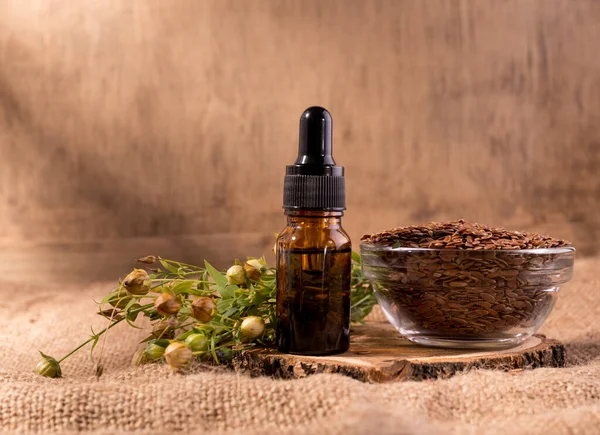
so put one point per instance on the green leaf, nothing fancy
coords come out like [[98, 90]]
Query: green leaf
[[169, 267], [96, 338], [259, 299], [130, 304], [228, 291], [108, 297], [162, 342], [202, 327], [217, 276], [244, 302], [356, 256], [133, 325], [132, 316], [185, 335], [183, 286], [252, 311], [230, 312], [223, 305]]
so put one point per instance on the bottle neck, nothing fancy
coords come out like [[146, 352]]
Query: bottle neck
[[321, 217]]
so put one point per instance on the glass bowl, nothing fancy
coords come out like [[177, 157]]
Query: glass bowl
[[466, 298]]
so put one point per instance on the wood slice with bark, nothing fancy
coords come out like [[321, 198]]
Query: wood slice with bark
[[378, 353]]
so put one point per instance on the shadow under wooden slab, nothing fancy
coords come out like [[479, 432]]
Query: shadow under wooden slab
[[378, 353]]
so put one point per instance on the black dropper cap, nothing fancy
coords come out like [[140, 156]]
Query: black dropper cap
[[314, 182]]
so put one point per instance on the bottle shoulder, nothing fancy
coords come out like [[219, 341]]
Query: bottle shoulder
[[302, 237]]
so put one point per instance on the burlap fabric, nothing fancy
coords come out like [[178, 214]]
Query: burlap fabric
[[151, 399]]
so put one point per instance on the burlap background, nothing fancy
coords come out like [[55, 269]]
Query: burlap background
[[151, 399], [165, 120], [130, 128]]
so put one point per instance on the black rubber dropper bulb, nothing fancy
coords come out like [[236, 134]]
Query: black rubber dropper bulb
[[313, 251], [315, 138], [314, 181]]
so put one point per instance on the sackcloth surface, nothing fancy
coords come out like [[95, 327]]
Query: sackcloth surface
[[152, 399]]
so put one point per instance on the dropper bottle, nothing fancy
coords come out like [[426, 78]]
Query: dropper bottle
[[313, 251]]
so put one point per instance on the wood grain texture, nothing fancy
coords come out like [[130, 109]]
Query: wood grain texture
[[379, 354], [123, 119]]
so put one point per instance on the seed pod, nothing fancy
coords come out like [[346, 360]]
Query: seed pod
[[48, 367], [139, 358], [98, 370], [137, 282], [255, 267], [236, 275], [258, 263], [252, 327], [252, 272], [197, 342], [119, 298], [111, 313], [148, 259], [178, 355], [154, 352], [164, 328], [167, 304], [203, 309]]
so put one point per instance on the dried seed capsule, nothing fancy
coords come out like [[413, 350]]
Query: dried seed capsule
[[148, 259], [178, 355], [252, 327], [258, 263], [139, 358], [111, 313], [137, 282], [252, 272], [48, 367], [167, 304], [203, 309], [236, 274], [164, 328]]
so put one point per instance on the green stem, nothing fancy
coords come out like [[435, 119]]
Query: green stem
[[186, 325], [95, 337], [212, 347], [82, 345], [183, 264], [221, 316], [358, 304]]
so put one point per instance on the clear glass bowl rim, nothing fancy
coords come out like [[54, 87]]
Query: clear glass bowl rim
[[403, 249]]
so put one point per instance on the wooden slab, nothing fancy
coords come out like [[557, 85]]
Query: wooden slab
[[378, 353]]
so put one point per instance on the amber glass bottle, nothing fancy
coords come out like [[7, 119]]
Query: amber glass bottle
[[313, 251]]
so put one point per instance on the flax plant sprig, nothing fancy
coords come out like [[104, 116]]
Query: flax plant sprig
[[199, 312]]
